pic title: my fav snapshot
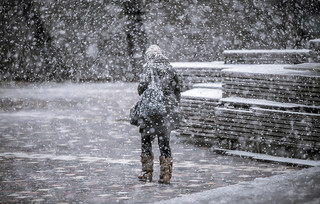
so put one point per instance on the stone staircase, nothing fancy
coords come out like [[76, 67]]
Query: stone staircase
[[198, 72], [197, 109], [266, 56], [274, 84], [266, 108]]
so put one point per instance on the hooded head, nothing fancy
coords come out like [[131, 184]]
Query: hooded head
[[154, 52]]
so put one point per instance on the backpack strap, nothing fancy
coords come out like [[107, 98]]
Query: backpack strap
[[155, 78]]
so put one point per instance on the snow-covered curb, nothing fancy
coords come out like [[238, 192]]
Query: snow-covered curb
[[296, 187], [261, 51], [204, 93], [270, 158], [199, 65]]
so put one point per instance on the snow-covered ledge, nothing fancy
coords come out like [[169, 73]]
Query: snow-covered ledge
[[199, 72], [285, 56]]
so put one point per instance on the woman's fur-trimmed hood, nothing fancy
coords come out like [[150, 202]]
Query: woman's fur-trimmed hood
[[155, 54]]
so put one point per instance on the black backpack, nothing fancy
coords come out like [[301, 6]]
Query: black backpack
[[151, 102]]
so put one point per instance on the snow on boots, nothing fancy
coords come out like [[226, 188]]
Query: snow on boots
[[147, 168], [165, 169]]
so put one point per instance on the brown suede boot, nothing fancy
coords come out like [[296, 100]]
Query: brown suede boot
[[165, 170], [147, 168]]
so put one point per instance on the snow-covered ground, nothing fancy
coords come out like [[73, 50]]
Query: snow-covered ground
[[295, 187]]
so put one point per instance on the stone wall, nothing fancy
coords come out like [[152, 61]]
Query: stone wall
[[272, 109]]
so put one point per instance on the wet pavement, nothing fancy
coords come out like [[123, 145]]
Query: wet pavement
[[72, 143]]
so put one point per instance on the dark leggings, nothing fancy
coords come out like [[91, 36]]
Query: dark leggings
[[149, 133]]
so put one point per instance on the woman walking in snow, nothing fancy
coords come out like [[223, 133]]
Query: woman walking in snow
[[160, 126]]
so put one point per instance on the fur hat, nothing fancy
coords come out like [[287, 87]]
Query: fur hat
[[152, 51]]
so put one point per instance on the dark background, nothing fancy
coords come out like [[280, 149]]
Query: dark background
[[85, 40]]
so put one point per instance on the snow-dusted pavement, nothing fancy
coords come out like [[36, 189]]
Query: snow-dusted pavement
[[295, 187], [72, 143]]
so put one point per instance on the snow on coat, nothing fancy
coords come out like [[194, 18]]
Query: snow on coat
[[168, 81]]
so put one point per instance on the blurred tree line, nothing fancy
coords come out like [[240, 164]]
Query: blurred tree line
[[86, 40]]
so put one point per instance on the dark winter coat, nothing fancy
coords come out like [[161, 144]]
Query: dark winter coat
[[169, 81]]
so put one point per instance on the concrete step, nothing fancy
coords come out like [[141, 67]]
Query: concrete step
[[277, 83], [217, 85], [286, 56], [198, 72], [273, 128]]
